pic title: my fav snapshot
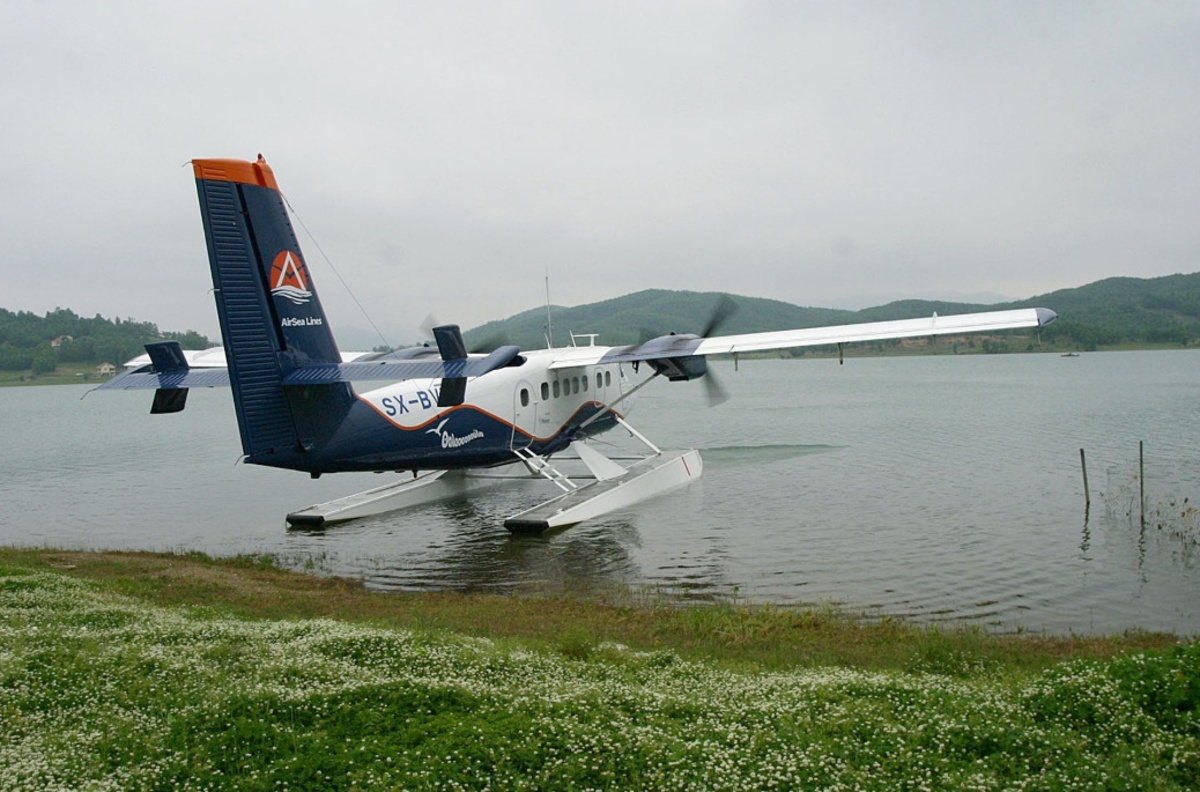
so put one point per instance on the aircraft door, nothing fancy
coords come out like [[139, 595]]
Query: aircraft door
[[525, 406]]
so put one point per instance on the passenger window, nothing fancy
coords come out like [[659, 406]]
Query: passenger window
[[545, 391], [524, 397], [608, 379], [556, 390], [575, 384], [585, 387]]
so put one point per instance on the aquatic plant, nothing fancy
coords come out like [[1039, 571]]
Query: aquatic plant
[[100, 691]]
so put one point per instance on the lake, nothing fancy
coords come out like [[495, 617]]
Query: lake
[[940, 489]]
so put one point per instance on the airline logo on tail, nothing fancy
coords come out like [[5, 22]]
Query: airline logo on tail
[[289, 278]]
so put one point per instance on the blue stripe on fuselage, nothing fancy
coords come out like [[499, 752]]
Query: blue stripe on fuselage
[[460, 437]]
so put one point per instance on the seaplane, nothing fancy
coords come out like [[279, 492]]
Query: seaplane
[[439, 414]]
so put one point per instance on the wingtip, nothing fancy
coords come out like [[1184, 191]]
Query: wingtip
[[1045, 316]]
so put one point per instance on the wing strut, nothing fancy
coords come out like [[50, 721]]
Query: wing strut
[[616, 486]]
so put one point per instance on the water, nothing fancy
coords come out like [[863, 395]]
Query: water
[[936, 488]]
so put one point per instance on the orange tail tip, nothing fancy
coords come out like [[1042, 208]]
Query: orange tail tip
[[232, 170]]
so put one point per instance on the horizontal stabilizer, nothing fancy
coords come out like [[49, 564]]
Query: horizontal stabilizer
[[141, 379], [145, 377], [167, 366], [396, 370]]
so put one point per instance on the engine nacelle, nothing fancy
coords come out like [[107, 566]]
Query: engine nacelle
[[678, 369]]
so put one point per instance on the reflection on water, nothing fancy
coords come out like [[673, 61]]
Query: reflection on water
[[759, 454], [942, 488]]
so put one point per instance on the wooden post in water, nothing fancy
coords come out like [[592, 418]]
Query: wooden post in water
[[1087, 497], [1142, 479]]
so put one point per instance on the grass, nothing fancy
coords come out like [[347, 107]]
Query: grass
[[758, 636], [64, 374], [139, 671]]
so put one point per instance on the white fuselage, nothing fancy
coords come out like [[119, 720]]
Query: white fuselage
[[537, 401]]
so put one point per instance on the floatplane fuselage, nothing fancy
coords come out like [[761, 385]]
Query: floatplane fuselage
[[303, 405]]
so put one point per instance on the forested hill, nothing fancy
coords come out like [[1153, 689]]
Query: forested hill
[[646, 314], [29, 342], [1116, 311], [1125, 310], [1111, 312]]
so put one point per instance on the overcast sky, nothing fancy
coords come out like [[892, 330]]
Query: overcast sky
[[447, 157]]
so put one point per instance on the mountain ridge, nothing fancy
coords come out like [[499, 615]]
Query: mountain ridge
[[1108, 312], [1117, 311]]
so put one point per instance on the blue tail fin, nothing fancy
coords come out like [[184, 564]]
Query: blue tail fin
[[271, 317]]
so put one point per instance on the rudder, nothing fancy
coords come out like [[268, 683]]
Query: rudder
[[271, 318]]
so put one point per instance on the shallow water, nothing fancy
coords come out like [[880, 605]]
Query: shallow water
[[936, 488]]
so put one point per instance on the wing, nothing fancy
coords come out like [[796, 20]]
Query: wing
[[879, 331], [682, 346]]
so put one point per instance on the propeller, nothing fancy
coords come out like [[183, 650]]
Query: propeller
[[487, 344], [722, 311], [681, 368], [713, 390], [725, 308]]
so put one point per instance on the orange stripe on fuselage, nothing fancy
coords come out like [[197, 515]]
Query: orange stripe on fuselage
[[493, 416], [232, 170]]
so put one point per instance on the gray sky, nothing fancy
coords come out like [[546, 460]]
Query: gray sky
[[448, 156]]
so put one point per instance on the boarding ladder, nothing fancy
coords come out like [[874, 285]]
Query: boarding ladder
[[540, 465]]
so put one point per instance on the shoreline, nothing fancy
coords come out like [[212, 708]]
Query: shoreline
[[85, 374], [761, 635]]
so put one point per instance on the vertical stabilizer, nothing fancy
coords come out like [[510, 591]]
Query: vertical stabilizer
[[271, 317]]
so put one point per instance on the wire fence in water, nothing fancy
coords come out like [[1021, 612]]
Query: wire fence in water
[[1163, 494]]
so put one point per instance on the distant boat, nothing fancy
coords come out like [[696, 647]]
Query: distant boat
[[1070, 354]]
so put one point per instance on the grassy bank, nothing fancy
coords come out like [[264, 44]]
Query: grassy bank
[[65, 374], [123, 671]]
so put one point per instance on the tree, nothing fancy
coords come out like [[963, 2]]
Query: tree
[[43, 361], [13, 359]]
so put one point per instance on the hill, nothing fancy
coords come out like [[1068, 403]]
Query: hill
[[39, 344], [1111, 312], [1107, 313], [1114, 311], [646, 314]]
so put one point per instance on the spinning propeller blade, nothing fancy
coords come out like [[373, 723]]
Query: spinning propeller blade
[[725, 308], [672, 354], [713, 390], [484, 345], [489, 343]]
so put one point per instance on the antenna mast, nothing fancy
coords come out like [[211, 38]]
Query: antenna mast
[[549, 331]]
